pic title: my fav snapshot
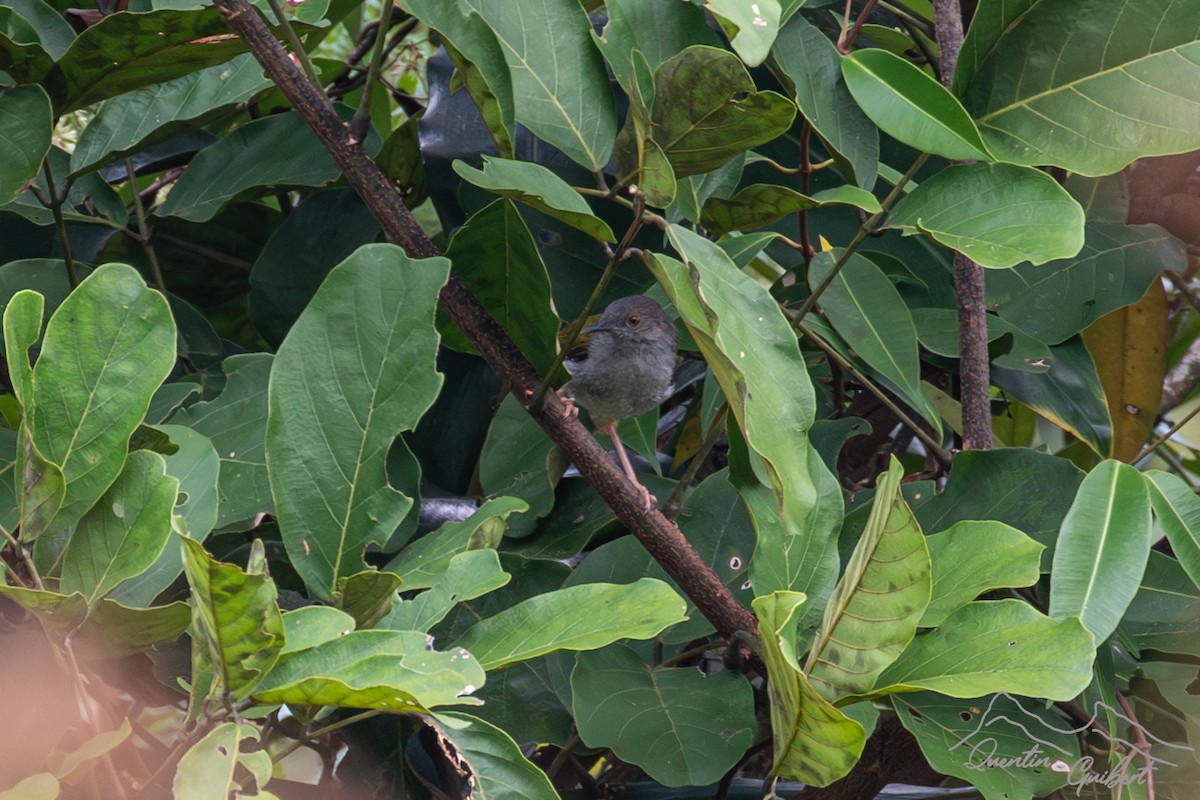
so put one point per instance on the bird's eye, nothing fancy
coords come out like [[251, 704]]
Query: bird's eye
[[633, 321]]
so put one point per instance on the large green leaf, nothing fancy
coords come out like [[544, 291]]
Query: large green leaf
[[866, 310], [813, 65], [753, 353], [1054, 301], [392, 670], [1165, 613], [155, 113], [691, 728], [1177, 510], [1102, 548], [1128, 85], [107, 348], [991, 19], [498, 767], [236, 422], [997, 214], [583, 617], [53, 31], [975, 556], [707, 110], [278, 150], [496, 256], [814, 742], [25, 128], [317, 236], [1005, 747], [1069, 394], [124, 533], [559, 83], [911, 106], [127, 51], [355, 371], [21, 53], [996, 646], [879, 600], [237, 623], [538, 187]]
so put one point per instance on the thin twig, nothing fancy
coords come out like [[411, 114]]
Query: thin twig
[[863, 231], [846, 40], [361, 122], [1139, 733], [298, 51], [143, 228], [1174, 429], [806, 171], [938, 451], [59, 223]]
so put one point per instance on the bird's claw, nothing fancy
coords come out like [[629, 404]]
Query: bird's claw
[[648, 500], [569, 407]]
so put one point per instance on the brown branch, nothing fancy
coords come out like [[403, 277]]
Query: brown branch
[[660, 537], [968, 276]]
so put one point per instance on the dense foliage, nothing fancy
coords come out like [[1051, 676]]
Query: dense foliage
[[275, 524]]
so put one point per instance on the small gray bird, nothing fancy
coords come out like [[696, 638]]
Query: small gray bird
[[623, 369]]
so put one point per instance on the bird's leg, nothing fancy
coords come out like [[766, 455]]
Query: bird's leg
[[609, 426]]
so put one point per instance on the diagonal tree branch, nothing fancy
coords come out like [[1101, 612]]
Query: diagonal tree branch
[[661, 538]]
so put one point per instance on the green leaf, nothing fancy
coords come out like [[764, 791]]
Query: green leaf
[[355, 371], [1038, 103], [987, 741], [583, 617], [1177, 510], [498, 767], [1057, 300], [236, 423], [195, 465], [751, 27], [937, 330], [691, 728], [814, 742], [113, 630], [467, 576], [1102, 548], [25, 127], [54, 32], [322, 232], [538, 187], [21, 53], [389, 670], [812, 64], [263, 155], [866, 310], [972, 557], [760, 204], [516, 461], [910, 106], [208, 770], [656, 31], [708, 110], [39, 786], [477, 55], [155, 113], [559, 82], [127, 51], [879, 600], [367, 596], [107, 348], [996, 214], [1069, 394], [309, 626], [422, 563], [753, 353], [996, 646], [237, 622], [124, 533], [992, 18], [496, 256], [68, 766]]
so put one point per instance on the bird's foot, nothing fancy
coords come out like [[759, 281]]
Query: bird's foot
[[569, 407], [648, 500]]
